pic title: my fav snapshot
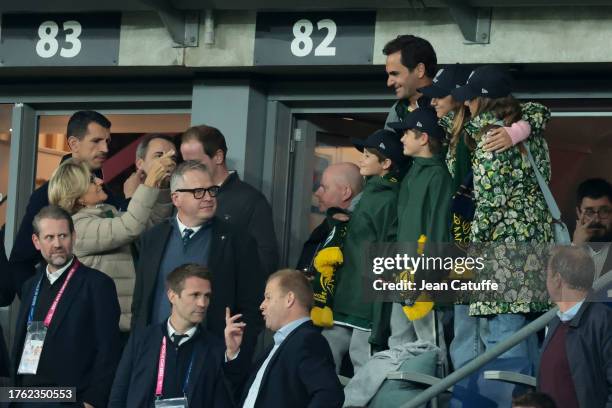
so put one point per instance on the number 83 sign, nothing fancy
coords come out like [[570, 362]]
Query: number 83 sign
[[60, 39], [321, 38]]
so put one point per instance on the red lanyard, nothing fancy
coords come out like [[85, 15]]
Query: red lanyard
[[52, 309], [161, 368]]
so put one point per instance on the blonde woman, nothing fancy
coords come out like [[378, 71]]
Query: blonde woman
[[103, 234]]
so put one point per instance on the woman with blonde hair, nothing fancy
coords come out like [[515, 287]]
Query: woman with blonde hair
[[103, 234]]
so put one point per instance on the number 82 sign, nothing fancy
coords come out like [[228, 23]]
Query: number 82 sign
[[321, 38], [60, 39]]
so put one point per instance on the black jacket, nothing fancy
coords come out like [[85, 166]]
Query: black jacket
[[589, 353], [238, 282], [24, 256], [247, 209], [300, 374], [81, 348], [136, 377], [311, 246]]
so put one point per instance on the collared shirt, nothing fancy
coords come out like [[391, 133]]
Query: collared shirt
[[189, 333], [599, 258], [569, 313], [183, 227], [279, 337], [53, 276], [354, 202]]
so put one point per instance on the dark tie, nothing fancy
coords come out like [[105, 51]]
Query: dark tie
[[187, 233], [176, 338]]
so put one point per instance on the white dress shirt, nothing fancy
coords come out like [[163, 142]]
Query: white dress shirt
[[183, 227], [279, 337], [189, 333], [53, 276]]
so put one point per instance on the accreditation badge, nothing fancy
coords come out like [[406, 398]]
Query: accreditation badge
[[32, 348], [171, 403]]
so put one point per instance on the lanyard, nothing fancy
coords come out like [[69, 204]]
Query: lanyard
[[51, 312], [161, 368]]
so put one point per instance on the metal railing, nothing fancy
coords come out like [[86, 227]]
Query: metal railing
[[493, 353]]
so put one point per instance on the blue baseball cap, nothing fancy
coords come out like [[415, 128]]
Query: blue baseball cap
[[386, 142], [421, 119]]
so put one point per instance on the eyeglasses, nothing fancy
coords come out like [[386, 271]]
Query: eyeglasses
[[603, 212], [198, 193]]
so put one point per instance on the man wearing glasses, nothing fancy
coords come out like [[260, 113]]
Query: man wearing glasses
[[197, 236], [594, 222]]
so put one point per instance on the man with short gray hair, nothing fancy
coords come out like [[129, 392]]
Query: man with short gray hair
[[196, 235], [576, 363]]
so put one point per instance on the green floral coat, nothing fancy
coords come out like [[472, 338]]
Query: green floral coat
[[510, 208]]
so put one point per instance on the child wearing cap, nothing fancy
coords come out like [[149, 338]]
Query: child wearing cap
[[509, 208], [373, 220], [423, 209]]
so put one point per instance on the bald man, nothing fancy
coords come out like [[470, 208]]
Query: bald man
[[341, 186]]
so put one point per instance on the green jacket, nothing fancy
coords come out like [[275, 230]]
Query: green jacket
[[373, 220], [424, 201]]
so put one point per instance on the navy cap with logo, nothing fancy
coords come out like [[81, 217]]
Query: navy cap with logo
[[421, 119], [446, 80], [489, 81], [386, 142]]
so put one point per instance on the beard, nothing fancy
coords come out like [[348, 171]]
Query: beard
[[602, 233], [59, 260]]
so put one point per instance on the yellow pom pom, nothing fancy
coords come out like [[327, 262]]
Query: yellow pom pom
[[322, 316], [327, 260], [421, 244], [420, 309]]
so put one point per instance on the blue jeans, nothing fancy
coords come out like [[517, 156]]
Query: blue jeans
[[475, 335]]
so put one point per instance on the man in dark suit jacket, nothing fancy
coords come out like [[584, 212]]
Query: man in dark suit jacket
[[298, 370], [88, 138], [576, 360], [194, 358], [81, 346], [195, 235], [238, 203]]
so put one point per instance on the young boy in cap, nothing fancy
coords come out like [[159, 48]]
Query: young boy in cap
[[423, 209], [373, 220]]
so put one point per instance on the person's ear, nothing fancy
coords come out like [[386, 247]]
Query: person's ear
[[420, 70], [36, 242], [139, 163], [386, 164], [578, 212], [290, 299], [73, 143], [424, 139], [171, 295], [218, 158], [347, 193], [175, 199]]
